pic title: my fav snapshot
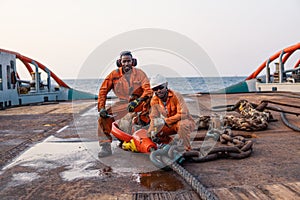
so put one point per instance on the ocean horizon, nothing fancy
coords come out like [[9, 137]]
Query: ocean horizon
[[184, 85]]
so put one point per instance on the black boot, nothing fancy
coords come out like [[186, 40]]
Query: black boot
[[105, 149]]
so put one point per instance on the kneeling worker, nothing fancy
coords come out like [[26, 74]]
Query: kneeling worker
[[132, 87], [168, 107]]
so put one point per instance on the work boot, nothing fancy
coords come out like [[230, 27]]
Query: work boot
[[105, 150]]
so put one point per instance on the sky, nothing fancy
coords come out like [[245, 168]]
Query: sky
[[236, 35]]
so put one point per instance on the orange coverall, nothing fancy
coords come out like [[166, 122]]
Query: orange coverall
[[177, 118], [126, 90]]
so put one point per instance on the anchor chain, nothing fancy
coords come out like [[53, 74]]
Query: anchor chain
[[254, 117], [171, 156], [237, 147], [251, 117]]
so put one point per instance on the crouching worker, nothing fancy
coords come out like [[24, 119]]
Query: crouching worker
[[169, 114], [132, 87]]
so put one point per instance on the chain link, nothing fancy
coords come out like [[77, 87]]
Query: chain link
[[250, 119], [229, 146]]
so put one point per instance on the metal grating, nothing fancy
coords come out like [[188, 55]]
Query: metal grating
[[185, 195]]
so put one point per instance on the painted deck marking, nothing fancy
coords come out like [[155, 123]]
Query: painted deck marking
[[63, 128]]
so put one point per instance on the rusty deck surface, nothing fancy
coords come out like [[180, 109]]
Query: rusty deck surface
[[34, 168], [272, 171]]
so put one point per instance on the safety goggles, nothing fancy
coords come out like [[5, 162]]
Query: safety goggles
[[160, 87]]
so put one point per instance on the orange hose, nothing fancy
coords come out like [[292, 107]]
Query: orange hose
[[289, 50], [142, 142], [297, 64], [27, 61], [121, 135], [286, 56]]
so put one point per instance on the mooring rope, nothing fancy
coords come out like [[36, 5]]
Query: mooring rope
[[287, 123], [201, 190], [197, 186], [168, 157]]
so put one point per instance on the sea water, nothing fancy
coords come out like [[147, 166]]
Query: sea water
[[184, 85]]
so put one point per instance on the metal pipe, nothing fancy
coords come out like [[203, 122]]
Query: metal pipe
[[281, 67], [48, 79], [268, 71], [37, 78]]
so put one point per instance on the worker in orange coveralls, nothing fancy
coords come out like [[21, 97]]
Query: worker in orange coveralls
[[132, 87], [169, 114]]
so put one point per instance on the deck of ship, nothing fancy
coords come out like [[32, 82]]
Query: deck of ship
[[65, 165], [272, 171]]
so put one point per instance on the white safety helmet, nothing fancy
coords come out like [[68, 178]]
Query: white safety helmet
[[157, 80]]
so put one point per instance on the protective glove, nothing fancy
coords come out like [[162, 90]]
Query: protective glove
[[159, 122], [103, 113], [133, 104], [156, 140], [153, 136]]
